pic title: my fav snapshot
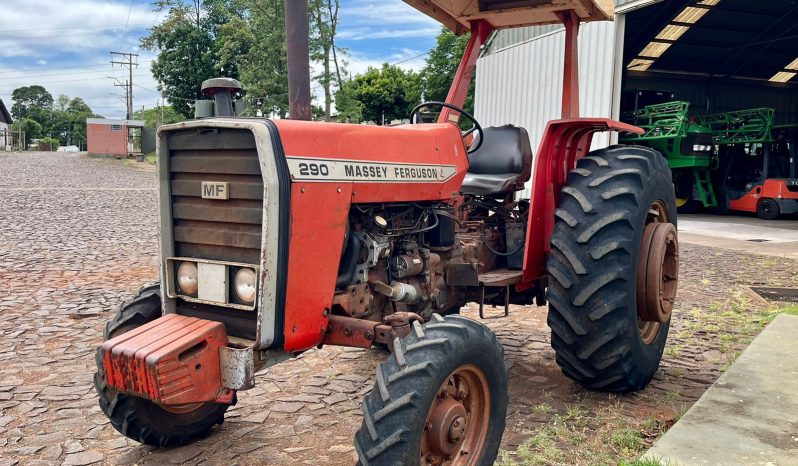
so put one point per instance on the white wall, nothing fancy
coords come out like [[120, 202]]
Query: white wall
[[4, 139], [522, 84]]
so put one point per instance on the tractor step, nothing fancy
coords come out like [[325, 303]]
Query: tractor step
[[500, 278], [171, 360], [703, 184]]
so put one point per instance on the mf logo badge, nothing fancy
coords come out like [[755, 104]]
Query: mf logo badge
[[215, 190]]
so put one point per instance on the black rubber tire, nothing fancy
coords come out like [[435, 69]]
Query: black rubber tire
[[135, 312], [395, 410], [140, 419], [768, 209], [592, 268]]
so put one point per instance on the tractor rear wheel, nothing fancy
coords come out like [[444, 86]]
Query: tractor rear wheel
[[140, 419], [613, 268], [768, 209], [440, 399]]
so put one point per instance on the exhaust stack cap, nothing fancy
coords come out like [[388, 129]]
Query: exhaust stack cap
[[222, 90]]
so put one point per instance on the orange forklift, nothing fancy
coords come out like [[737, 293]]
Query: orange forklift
[[757, 169]]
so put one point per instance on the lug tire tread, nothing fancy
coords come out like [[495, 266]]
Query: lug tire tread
[[590, 313], [394, 411]]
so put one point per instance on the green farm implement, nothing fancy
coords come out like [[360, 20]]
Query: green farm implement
[[686, 142]]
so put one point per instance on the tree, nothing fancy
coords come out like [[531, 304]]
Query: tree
[[31, 128], [441, 66], [27, 97], [188, 46], [255, 42], [165, 115], [78, 105], [324, 27], [383, 94], [62, 103], [350, 110]]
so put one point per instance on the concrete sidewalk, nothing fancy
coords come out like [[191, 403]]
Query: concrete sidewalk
[[750, 415], [778, 238]]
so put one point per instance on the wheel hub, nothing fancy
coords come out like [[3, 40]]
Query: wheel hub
[[657, 272], [456, 425], [448, 425]]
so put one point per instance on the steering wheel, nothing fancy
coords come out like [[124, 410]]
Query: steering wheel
[[415, 118]]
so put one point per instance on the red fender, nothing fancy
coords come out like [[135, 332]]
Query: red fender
[[564, 142]]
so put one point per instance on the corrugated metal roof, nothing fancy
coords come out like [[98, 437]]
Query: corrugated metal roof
[[523, 84], [508, 37]]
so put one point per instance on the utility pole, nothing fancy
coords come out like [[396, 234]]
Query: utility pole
[[296, 34], [126, 59]]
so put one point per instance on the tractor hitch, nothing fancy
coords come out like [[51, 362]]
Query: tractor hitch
[[360, 333]]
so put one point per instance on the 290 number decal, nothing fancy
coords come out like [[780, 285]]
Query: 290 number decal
[[313, 169]]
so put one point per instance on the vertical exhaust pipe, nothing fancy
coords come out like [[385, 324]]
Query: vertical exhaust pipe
[[296, 36], [222, 90]]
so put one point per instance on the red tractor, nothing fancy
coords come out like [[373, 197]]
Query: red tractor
[[279, 236]]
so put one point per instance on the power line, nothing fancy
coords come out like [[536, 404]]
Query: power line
[[61, 67], [130, 63], [62, 81], [71, 28], [59, 74], [408, 59], [129, 9]]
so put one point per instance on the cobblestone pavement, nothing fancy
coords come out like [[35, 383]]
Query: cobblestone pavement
[[79, 235]]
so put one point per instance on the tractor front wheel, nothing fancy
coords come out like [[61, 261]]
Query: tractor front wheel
[[613, 268], [140, 419], [440, 399]]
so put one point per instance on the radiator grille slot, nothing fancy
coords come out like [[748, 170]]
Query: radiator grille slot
[[226, 230]]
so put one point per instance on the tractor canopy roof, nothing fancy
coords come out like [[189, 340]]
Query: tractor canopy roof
[[457, 15]]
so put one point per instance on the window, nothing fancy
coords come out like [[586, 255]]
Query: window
[[116, 127]]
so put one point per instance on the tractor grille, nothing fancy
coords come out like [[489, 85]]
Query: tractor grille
[[227, 230]]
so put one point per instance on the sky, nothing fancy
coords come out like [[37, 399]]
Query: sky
[[65, 46]]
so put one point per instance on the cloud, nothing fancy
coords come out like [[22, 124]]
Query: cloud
[[364, 33], [64, 47]]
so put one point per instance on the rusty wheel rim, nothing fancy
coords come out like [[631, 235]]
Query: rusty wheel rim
[[657, 272], [457, 421], [182, 408]]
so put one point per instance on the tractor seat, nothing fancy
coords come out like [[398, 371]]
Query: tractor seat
[[502, 164]]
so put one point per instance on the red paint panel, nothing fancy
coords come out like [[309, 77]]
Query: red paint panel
[[480, 30], [319, 213], [432, 144], [171, 360], [564, 142]]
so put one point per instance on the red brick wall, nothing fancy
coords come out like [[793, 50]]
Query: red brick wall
[[103, 140]]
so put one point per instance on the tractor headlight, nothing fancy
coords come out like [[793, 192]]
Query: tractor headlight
[[245, 285], [701, 148], [187, 278]]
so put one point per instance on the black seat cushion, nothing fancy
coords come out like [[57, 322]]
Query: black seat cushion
[[502, 164]]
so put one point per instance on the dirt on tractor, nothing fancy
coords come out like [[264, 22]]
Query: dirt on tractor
[[80, 239]]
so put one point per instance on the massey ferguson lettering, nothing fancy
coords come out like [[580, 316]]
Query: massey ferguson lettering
[[311, 169], [366, 171]]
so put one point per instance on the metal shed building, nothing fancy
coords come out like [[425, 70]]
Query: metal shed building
[[5, 126], [720, 55]]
